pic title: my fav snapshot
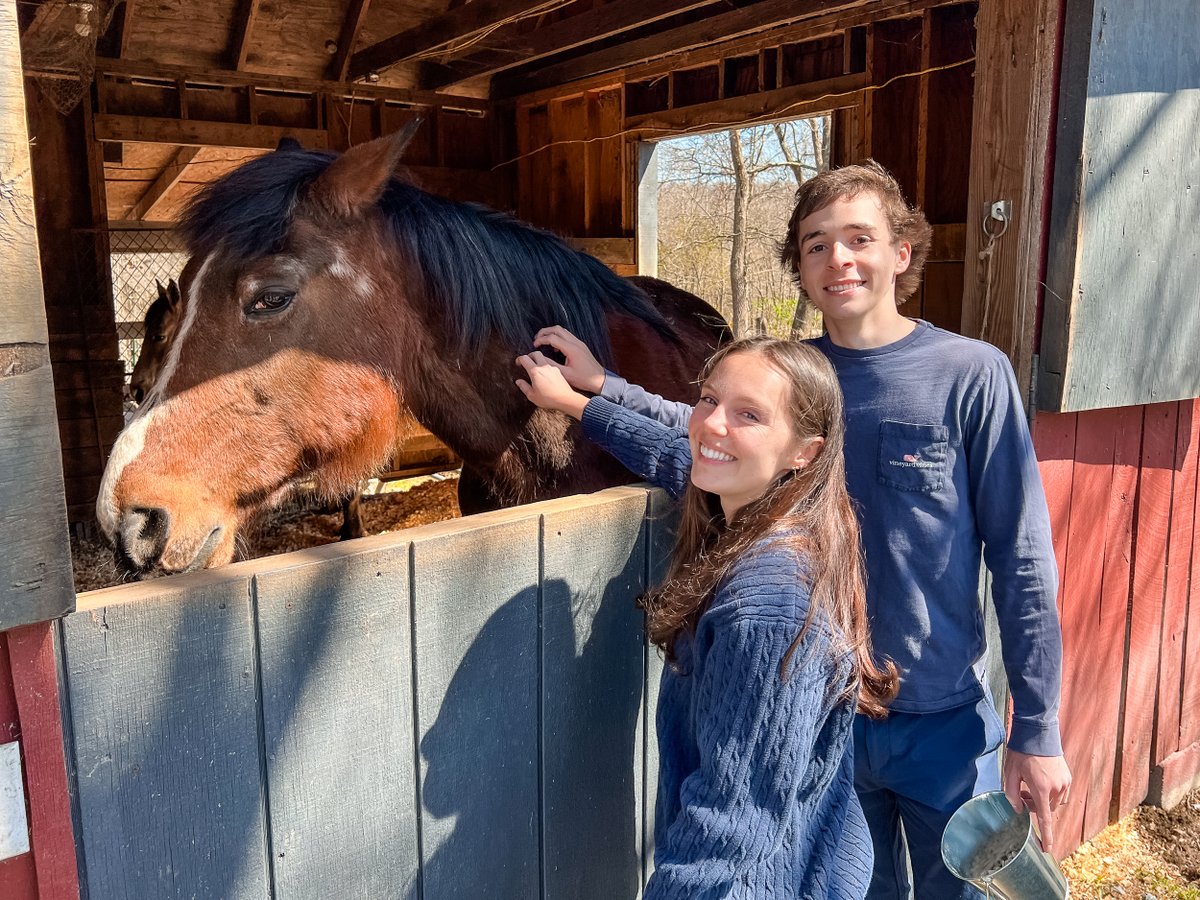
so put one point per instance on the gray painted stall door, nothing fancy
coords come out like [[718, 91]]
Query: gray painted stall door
[[454, 711]]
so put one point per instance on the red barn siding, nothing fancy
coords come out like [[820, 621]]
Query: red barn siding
[[1121, 485]]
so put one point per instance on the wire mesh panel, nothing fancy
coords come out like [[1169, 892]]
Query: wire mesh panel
[[141, 259]]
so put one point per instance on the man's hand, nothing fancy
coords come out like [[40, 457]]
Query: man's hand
[[581, 369], [1039, 783], [547, 388]]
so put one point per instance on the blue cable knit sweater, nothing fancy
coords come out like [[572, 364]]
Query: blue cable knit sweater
[[755, 785]]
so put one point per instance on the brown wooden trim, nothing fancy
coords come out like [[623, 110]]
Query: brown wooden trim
[[247, 15], [152, 200], [124, 68], [781, 103], [1016, 52], [808, 29], [722, 27], [356, 14], [152, 130], [612, 251], [439, 31], [567, 34]]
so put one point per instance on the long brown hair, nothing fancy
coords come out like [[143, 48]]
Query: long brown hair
[[807, 510]]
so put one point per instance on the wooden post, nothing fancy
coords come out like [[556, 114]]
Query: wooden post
[[35, 555], [1015, 84]]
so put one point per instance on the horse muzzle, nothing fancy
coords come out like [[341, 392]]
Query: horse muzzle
[[145, 543]]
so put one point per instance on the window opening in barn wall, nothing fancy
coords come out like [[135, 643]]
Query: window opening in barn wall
[[713, 208]]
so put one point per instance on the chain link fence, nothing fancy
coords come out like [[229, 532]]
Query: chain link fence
[[141, 259]]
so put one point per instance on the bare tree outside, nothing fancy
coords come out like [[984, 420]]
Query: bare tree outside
[[723, 204]]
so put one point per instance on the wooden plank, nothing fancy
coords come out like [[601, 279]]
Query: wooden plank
[[1189, 710], [1107, 644], [243, 28], [151, 202], [33, 657], [566, 34], [1145, 617], [612, 251], [356, 14], [327, 629], [163, 707], [607, 178], [662, 517], [1081, 608], [592, 682], [151, 129], [35, 559], [1012, 117], [477, 681], [445, 30], [568, 165], [949, 242], [1179, 549], [1129, 73], [781, 103]]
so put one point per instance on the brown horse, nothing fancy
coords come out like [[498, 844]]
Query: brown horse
[[158, 332], [322, 296]]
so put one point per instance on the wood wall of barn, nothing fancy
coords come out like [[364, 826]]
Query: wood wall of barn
[[1122, 489]]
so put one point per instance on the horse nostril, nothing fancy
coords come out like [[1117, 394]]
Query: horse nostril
[[143, 535]]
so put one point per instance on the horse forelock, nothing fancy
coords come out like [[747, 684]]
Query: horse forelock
[[249, 211]]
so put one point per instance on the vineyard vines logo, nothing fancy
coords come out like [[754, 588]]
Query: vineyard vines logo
[[912, 461]]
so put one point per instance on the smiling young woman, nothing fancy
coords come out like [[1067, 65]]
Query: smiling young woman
[[761, 619]]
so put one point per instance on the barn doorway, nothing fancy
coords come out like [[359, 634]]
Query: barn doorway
[[717, 205]]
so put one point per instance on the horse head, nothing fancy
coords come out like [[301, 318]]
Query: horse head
[[158, 333], [323, 295], [271, 368]]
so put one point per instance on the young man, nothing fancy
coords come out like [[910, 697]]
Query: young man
[[940, 463]]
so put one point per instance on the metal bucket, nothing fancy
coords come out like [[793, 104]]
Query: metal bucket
[[995, 848]]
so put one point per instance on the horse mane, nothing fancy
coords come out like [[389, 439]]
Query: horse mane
[[485, 272]]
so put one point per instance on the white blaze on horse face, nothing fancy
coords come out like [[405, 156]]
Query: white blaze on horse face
[[127, 448]]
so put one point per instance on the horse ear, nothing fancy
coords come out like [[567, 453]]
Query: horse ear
[[288, 144], [356, 179], [172, 292], [161, 290]]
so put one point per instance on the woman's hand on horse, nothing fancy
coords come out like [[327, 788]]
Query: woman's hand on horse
[[581, 370], [547, 387]]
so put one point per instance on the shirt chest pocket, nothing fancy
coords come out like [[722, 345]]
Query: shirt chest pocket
[[913, 457]]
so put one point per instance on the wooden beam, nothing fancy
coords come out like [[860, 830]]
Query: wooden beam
[[125, 68], [154, 130], [35, 554], [751, 42], [129, 7], [439, 31], [152, 200], [724, 26], [782, 103], [1015, 79], [240, 42], [356, 14], [566, 34]]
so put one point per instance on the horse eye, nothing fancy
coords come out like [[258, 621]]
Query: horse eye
[[159, 338], [270, 302]]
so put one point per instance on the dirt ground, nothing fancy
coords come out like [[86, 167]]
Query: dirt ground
[[1150, 855]]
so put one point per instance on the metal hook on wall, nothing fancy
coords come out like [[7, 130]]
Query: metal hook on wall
[[1000, 211]]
